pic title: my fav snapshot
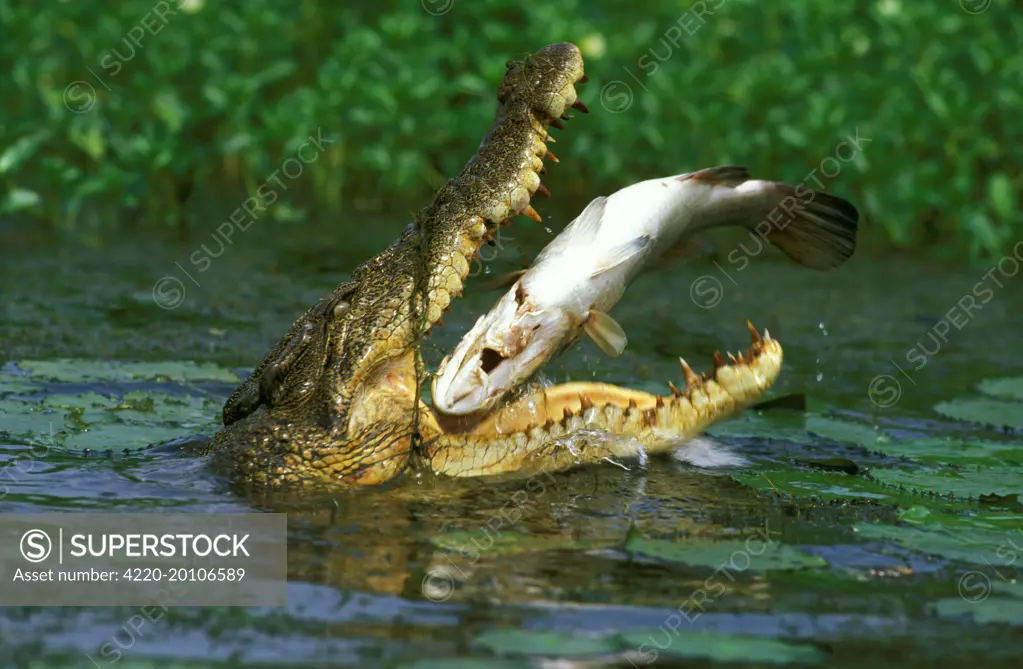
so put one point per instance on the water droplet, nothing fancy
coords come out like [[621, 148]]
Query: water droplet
[[820, 376], [820, 326]]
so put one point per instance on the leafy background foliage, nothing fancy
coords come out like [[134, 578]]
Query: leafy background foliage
[[219, 94]]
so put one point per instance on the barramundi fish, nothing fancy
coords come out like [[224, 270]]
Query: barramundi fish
[[584, 271]]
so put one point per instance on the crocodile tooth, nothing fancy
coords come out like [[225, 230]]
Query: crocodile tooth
[[558, 124], [439, 322], [583, 79], [578, 104], [584, 403], [767, 335], [542, 190], [567, 413], [551, 156], [740, 359], [551, 139], [674, 391], [692, 380], [529, 211], [754, 335], [731, 357], [549, 424], [447, 308], [565, 117], [660, 402], [506, 223], [632, 404], [649, 416], [719, 362]]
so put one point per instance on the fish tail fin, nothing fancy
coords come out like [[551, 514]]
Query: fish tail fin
[[813, 228]]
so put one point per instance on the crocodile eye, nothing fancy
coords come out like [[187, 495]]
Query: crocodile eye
[[341, 308]]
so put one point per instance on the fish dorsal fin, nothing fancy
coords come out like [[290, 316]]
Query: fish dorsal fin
[[581, 230], [606, 333], [588, 222], [620, 254]]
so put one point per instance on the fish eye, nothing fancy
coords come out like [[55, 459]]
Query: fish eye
[[341, 308]]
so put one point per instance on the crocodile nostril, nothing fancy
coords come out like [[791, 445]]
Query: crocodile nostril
[[490, 359]]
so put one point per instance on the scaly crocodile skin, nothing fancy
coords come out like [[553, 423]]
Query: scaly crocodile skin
[[337, 399]]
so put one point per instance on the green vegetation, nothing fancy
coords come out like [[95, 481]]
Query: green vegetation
[[172, 113]]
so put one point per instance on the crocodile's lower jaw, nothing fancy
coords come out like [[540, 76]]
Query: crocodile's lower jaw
[[575, 423]]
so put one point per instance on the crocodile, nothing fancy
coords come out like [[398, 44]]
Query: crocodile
[[338, 401]]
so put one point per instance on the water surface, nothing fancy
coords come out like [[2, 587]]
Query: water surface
[[594, 565]]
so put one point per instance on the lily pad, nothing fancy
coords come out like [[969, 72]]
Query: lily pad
[[1009, 388], [10, 385], [997, 610], [119, 436], [524, 642], [971, 539], [822, 484], [719, 647], [996, 413], [845, 431], [758, 553], [23, 425], [79, 371], [185, 410], [954, 451], [961, 482], [975, 598], [100, 422], [648, 645], [795, 427]]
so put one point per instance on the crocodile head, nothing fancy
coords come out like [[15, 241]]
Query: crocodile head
[[338, 396]]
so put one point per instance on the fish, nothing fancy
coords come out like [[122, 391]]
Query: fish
[[572, 284]]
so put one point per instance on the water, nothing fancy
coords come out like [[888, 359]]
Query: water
[[596, 565]]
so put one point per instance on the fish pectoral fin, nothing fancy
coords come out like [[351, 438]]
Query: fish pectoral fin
[[622, 253], [502, 280], [606, 333]]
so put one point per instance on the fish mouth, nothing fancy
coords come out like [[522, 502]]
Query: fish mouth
[[503, 349]]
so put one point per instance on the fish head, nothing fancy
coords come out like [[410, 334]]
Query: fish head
[[501, 352]]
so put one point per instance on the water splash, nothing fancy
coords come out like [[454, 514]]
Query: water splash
[[824, 332]]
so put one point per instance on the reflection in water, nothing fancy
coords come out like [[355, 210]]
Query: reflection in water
[[437, 539]]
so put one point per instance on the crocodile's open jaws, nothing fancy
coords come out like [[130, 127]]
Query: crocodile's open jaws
[[337, 399]]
